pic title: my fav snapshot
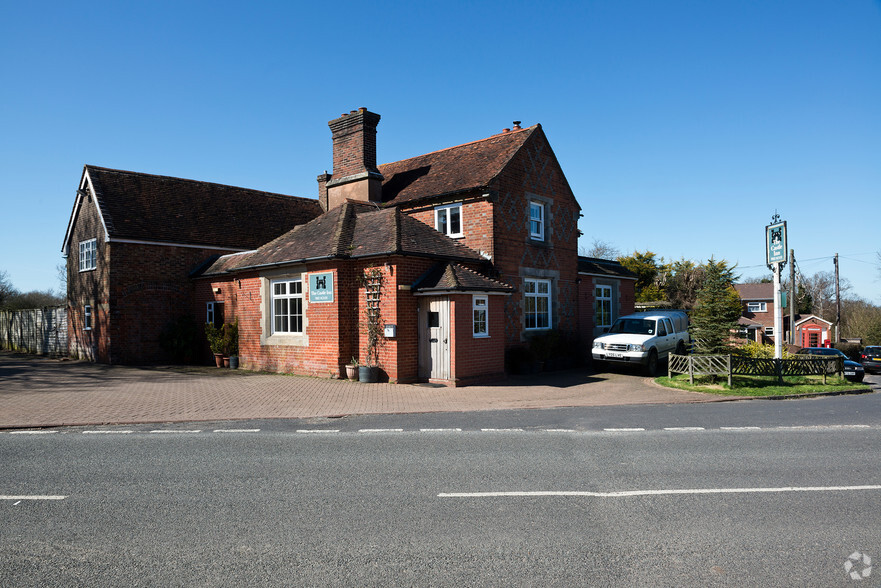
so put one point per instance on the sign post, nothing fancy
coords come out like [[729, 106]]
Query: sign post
[[776, 256]]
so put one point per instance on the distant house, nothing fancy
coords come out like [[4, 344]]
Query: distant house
[[758, 318], [462, 253]]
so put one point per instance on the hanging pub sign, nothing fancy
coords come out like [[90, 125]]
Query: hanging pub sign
[[775, 243], [321, 287]]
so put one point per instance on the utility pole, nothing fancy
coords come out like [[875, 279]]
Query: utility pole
[[792, 297], [837, 305]]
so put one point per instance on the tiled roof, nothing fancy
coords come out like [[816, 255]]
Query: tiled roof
[[603, 267], [763, 291], [455, 277], [173, 210], [456, 169], [352, 230]]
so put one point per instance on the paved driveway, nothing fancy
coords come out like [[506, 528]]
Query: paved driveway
[[40, 392]]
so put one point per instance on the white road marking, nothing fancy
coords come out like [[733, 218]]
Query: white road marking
[[176, 431], [236, 430], [318, 430], [380, 430], [559, 430], [440, 430], [625, 430], [741, 428], [625, 493], [32, 497], [500, 430], [107, 432], [31, 432], [684, 428]]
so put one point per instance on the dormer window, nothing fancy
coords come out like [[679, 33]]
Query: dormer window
[[88, 255], [537, 220], [448, 220]]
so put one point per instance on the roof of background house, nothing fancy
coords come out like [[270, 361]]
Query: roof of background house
[[603, 267], [352, 230], [763, 291], [148, 207], [455, 169]]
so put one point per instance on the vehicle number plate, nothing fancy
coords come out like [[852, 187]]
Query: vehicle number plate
[[850, 373], [614, 354]]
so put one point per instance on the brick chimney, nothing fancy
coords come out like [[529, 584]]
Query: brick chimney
[[355, 174]]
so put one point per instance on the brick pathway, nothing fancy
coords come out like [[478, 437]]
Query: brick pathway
[[40, 392]]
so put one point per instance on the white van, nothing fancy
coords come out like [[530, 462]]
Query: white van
[[643, 338]]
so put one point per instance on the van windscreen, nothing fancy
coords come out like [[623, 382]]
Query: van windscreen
[[633, 326]]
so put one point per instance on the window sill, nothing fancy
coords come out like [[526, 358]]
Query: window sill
[[286, 340]]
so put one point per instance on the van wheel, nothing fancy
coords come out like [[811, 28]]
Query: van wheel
[[680, 348], [651, 367]]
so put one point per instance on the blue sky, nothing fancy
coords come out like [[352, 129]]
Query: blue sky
[[682, 126]]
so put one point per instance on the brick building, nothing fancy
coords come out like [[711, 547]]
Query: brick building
[[461, 254]]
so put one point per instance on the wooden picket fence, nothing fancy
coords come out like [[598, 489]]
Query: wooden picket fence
[[731, 365]]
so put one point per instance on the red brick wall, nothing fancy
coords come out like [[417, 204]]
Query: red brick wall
[[477, 221], [473, 359]]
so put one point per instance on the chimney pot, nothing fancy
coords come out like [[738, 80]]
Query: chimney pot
[[506, 130], [516, 124]]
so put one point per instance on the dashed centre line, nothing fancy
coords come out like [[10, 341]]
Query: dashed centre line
[[625, 493]]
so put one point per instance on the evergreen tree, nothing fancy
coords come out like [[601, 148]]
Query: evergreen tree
[[717, 309]]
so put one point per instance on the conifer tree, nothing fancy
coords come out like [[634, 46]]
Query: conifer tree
[[717, 309]]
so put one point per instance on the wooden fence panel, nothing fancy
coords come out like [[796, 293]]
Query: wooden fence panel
[[42, 331]]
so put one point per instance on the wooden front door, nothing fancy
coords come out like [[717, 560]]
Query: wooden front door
[[434, 338]]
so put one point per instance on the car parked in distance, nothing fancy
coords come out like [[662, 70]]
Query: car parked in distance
[[871, 359], [852, 370]]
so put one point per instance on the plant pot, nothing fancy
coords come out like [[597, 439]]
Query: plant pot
[[234, 362], [225, 361], [368, 374], [218, 359], [352, 372]]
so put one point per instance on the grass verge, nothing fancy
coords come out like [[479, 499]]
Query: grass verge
[[761, 385]]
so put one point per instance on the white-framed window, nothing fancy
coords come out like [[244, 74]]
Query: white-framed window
[[603, 306], [769, 331], [214, 313], [448, 219], [536, 220], [479, 306], [537, 303], [287, 306], [88, 255], [87, 317], [757, 307]]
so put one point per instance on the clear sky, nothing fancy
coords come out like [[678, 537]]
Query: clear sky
[[682, 126]]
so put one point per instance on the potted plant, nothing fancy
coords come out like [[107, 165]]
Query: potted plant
[[231, 343], [352, 369], [215, 342]]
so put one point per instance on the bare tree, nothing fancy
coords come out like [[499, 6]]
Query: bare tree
[[821, 289], [6, 288], [600, 250]]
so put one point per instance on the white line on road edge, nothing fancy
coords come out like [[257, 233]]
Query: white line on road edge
[[380, 430], [31, 432], [625, 430], [49, 497], [236, 430], [318, 430], [440, 430], [107, 432], [624, 493], [177, 431]]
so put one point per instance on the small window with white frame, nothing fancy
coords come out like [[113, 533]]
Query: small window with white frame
[[87, 317], [536, 220], [603, 304], [448, 219], [287, 306], [479, 305], [88, 255], [757, 307]]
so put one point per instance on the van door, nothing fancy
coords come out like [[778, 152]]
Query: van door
[[666, 339]]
